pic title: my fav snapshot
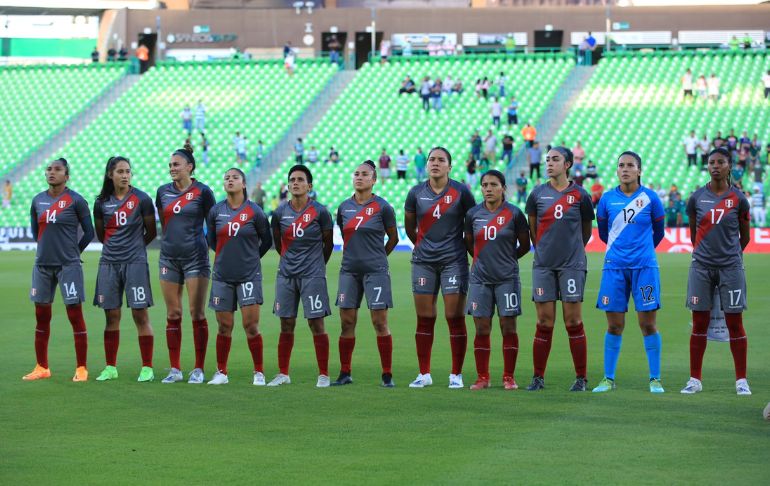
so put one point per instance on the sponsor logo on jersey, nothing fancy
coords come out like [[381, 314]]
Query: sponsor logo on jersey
[[605, 300], [570, 199], [694, 299], [130, 204], [729, 203], [539, 291], [422, 281], [501, 220]]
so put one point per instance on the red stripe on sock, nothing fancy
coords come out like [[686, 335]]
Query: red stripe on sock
[[510, 353], [458, 342], [42, 333], [424, 340], [541, 348], [285, 345], [200, 341], [346, 346], [174, 341], [385, 346], [111, 344], [579, 348], [739, 344], [481, 345], [146, 344], [255, 347], [75, 316], [321, 344], [700, 327], [223, 352]]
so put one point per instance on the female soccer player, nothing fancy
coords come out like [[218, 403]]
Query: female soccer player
[[560, 214], [239, 234], [497, 235], [434, 218], [183, 205], [125, 223], [364, 220], [631, 220], [302, 233], [56, 215], [719, 230]]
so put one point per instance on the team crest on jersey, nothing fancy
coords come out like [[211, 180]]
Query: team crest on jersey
[[501, 220], [422, 281], [163, 270], [448, 199], [306, 218], [694, 300], [130, 204], [277, 306], [729, 203], [474, 305], [188, 196], [62, 204], [369, 211], [539, 291], [639, 203], [242, 217], [33, 291], [342, 297], [570, 199], [101, 299], [605, 300], [215, 300]]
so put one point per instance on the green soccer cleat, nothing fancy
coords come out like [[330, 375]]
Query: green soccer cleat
[[108, 373], [146, 374], [605, 385], [656, 386]]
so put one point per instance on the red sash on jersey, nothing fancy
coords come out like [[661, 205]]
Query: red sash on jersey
[[301, 223], [547, 219], [242, 218], [428, 220], [56, 208], [183, 200], [365, 214], [131, 204], [503, 218], [705, 225]]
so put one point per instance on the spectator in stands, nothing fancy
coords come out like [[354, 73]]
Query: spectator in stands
[[529, 133], [508, 151], [732, 144], [718, 141], [448, 85], [534, 156], [501, 85], [755, 148], [713, 87], [402, 163], [384, 51], [673, 216], [758, 172], [258, 195], [7, 194], [95, 55], [673, 193], [289, 62], [122, 54], [521, 188], [425, 88], [458, 86], [435, 94], [471, 169], [283, 193], [484, 88], [747, 41], [734, 43], [407, 86], [299, 151], [205, 145], [662, 194], [513, 112], [490, 146], [112, 54], [766, 83], [483, 165], [384, 165], [334, 156], [260, 154], [700, 86], [420, 161], [236, 145], [287, 49], [510, 44], [312, 155], [691, 148], [497, 111], [597, 189], [143, 54], [406, 49], [744, 140], [758, 212], [200, 117], [578, 153], [242, 152], [478, 88], [743, 157], [591, 171], [737, 174], [687, 83], [578, 178], [577, 167], [476, 145], [334, 49], [187, 120]]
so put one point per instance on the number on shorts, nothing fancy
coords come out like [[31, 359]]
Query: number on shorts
[[490, 232], [138, 294], [453, 280], [437, 212], [177, 207], [646, 291], [628, 215], [571, 286], [232, 228], [50, 216], [735, 297], [379, 292], [297, 231], [558, 211], [247, 288], [511, 300], [716, 215], [315, 302], [70, 290], [360, 220], [120, 218]]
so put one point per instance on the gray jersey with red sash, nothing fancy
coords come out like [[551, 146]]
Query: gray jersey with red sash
[[302, 239], [560, 216], [183, 214], [440, 221], [57, 220], [717, 237], [124, 226], [494, 242], [236, 234], [363, 231]]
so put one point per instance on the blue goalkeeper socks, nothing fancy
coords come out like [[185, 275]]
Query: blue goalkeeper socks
[[652, 344], [611, 352]]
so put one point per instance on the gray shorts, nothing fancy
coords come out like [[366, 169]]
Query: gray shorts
[[731, 282], [113, 279], [226, 296], [376, 286], [311, 291], [451, 278], [69, 278], [178, 271], [565, 284], [482, 299]]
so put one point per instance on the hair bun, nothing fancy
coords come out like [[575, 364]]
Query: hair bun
[[188, 146]]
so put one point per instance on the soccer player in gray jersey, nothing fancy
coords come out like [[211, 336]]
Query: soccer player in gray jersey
[[183, 205], [560, 215], [719, 230], [434, 218], [125, 224], [302, 233], [239, 234], [56, 216], [497, 235], [364, 220]]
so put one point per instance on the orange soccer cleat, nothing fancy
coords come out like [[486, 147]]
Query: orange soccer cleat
[[39, 373], [81, 374], [509, 383]]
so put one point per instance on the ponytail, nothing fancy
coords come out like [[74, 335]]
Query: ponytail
[[187, 153], [108, 187]]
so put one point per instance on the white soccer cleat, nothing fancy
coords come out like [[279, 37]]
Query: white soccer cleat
[[421, 381], [196, 377], [742, 387], [219, 379], [280, 379], [323, 381], [693, 386], [456, 381], [259, 379], [173, 376]]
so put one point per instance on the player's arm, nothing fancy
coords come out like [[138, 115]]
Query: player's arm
[[522, 235], [393, 239], [744, 223], [159, 207], [410, 225], [33, 221], [328, 241], [211, 230], [84, 217], [275, 224], [99, 221], [469, 234], [693, 222], [658, 221], [148, 218], [532, 220], [389, 220], [263, 230], [587, 216]]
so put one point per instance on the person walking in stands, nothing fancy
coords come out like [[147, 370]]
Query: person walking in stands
[[299, 151], [187, 120], [529, 133], [200, 117]]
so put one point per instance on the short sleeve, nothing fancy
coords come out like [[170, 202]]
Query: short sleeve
[[467, 199], [81, 208], [145, 206], [207, 200], [586, 207], [261, 223], [410, 205], [325, 219], [531, 206], [520, 221], [388, 216], [744, 208], [658, 212]]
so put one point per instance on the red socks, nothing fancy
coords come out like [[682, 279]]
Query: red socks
[[200, 341], [424, 339], [577, 345], [321, 343], [111, 343], [541, 348], [75, 316], [285, 344], [738, 343], [510, 353], [223, 352], [481, 345], [346, 346], [174, 341], [145, 348], [255, 346], [385, 346], [42, 333], [458, 340], [700, 327]]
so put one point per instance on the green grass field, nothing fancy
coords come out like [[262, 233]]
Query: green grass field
[[124, 432]]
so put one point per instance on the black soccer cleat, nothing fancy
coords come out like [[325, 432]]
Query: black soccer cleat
[[580, 384], [387, 381], [538, 383], [343, 379]]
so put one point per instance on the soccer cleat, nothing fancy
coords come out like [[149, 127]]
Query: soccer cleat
[[39, 373], [456, 381], [580, 384], [608, 384], [219, 379], [108, 373], [323, 382], [173, 376], [509, 383], [343, 379], [421, 381], [196, 377], [387, 381], [259, 379], [81, 374], [280, 379], [480, 384], [538, 383], [656, 386], [146, 374], [742, 387], [693, 386]]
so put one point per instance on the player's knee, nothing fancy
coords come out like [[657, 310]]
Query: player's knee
[[616, 328], [573, 322], [381, 328], [288, 325], [316, 326], [197, 314], [545, 320], [173, 314], [252, 329], [225, 328]]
